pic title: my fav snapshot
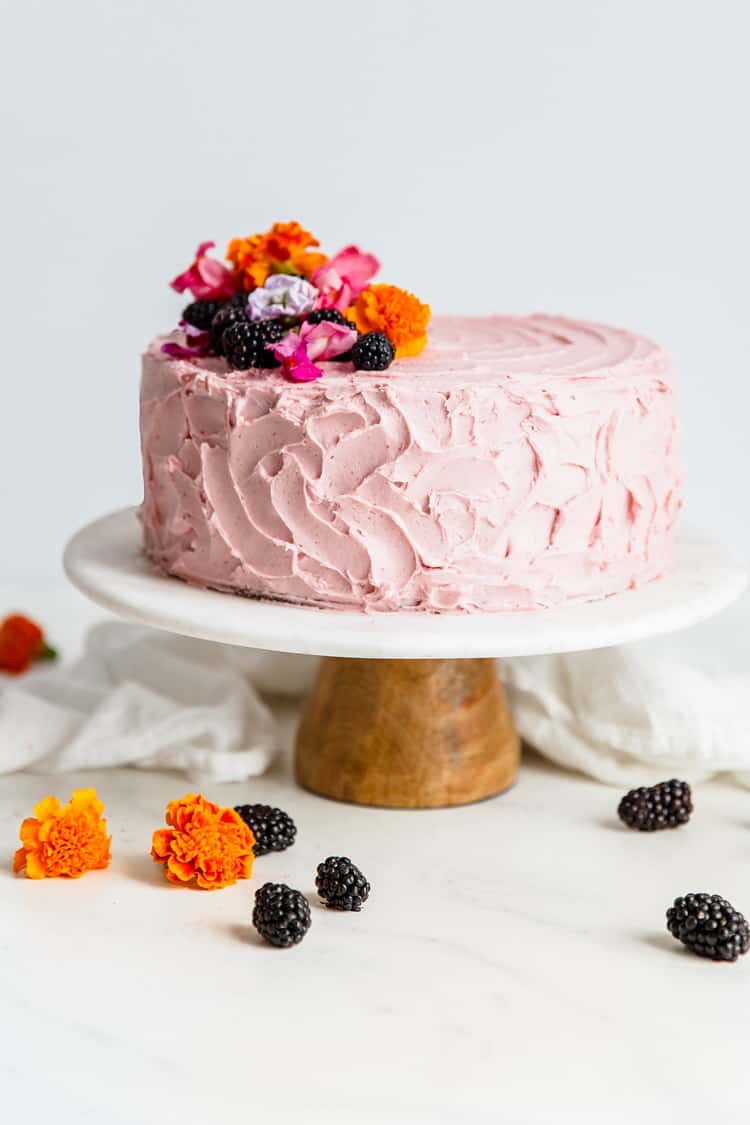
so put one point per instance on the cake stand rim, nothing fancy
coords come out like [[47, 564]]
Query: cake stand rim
[[105, 562]]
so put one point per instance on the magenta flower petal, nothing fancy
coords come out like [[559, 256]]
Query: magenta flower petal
[[335, 293], [197, 344], [287, 346], [301, 369], [355, 268], [179, 351], [343, 277], [206, 278], [295, 361]]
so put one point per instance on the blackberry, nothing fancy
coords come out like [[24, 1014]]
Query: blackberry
[[373, 352], [201, 313], [274, 830], [666, 805], [341, 885], [281, 915], [709, 926], [332, 315], [244, 343], [239, 300], [231, 312]]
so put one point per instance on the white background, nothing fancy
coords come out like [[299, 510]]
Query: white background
[[585, 158]]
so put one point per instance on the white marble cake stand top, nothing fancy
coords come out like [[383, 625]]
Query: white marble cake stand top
[[104, 560]]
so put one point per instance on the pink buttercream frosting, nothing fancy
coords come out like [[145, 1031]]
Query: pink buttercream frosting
[[517, 463]]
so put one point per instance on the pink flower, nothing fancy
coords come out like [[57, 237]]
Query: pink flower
[[295, 362], [299, 348], [327, 340], [322, 341], [206, 278], [343, 277], [197, 343]]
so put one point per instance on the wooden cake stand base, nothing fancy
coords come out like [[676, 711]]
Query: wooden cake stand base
[[407, 711], [412, 734]]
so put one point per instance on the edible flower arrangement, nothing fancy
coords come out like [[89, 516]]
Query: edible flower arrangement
[[279, 302]]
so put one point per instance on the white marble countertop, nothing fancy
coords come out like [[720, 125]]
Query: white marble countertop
[[512, 964]]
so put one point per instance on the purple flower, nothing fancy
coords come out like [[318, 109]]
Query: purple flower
[[283, 295]]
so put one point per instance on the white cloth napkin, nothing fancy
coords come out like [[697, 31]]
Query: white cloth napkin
[[146, 698], [673, 705], [628, 716], [143, 698]]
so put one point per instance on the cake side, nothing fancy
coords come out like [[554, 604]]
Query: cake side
[[517, 463]]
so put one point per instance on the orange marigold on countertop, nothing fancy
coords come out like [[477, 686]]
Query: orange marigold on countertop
[[64, 840], [401, 315], [21, 643], [285, 248], [204, 843]]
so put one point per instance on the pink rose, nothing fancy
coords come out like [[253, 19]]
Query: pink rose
[[343, 277], [207, 279]]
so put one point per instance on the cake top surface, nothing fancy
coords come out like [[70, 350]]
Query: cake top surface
[[278, 308], [529, 349]]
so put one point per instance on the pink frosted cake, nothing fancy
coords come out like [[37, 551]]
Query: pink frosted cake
[[512, 463]]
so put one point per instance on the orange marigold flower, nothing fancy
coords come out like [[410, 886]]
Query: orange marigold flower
[[401, 315], [64, 840], [285, 248], [204, 843], [21, 643]]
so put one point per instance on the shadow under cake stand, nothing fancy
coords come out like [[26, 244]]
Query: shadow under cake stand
[[407, 710]]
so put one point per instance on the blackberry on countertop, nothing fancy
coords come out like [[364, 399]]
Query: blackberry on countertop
[[274, 830], [666, 805], [373, 352], [244, 343], [201, 313], [331, 315], [231, 312], [709, 926], [341, 884], [281, 915]]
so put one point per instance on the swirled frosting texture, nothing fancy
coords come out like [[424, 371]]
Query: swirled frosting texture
[[519, 462]]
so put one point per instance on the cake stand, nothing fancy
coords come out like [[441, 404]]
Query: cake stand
[[408, 710]]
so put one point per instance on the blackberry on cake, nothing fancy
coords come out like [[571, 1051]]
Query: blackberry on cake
[[709, 926], [281, 915], [200, 314], [649, 809], [341, 884], [231, 312], [373, 352], [238, 301], [246, 343], [333, 316], [274, 830]]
